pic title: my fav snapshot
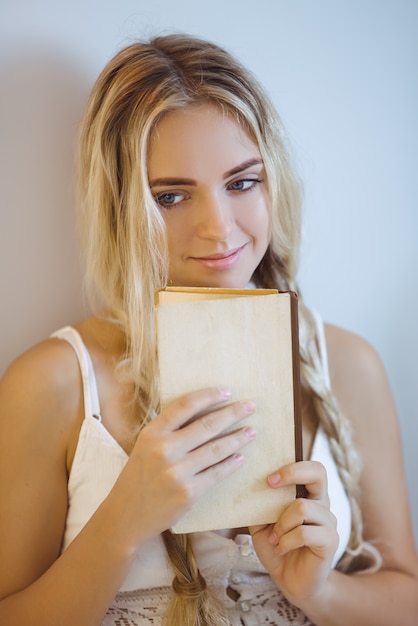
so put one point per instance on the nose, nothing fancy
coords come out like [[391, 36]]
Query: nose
[[215, 219]]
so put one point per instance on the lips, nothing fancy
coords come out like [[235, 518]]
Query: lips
[[222, 260]]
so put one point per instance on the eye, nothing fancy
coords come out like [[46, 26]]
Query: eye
[[169, 198], [244, 184]]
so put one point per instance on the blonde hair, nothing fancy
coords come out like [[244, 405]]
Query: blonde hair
[[125, 244]]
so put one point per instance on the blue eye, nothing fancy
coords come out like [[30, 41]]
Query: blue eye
[[244, 184], [168, 198]]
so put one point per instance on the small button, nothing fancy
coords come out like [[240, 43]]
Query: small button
[[236, 579], [246, 550], [244, 606]]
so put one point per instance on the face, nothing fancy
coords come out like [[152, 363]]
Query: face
[[208, 178]]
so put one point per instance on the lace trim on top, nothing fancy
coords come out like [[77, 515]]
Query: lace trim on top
[[267, 606]]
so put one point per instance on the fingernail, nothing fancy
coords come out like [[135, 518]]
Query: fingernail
[[238, 458], [225, 393], [274, 480], [250, 432], [248, 406]]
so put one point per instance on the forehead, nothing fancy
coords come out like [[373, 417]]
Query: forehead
[[196, 138]]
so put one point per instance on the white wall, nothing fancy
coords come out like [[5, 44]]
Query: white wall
[[343, 73]]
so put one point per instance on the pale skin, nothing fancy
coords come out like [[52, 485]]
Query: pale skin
[[217, 224]]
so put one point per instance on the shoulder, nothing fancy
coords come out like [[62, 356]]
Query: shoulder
[[351, 355], [358, 378], [46, 370], [49, 371], [41, 395]]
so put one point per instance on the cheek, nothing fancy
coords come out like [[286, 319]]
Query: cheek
[[258, 222], [177, 233], [263, 231]]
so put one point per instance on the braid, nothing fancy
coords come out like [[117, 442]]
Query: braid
[[360, 555], [192, 604], [337, 429]]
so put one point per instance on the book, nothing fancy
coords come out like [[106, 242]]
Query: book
[[247, 341]]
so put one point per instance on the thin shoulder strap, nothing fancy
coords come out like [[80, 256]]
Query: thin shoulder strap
[[322, 345], [91, 397]]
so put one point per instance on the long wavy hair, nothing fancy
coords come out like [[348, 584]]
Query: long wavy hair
[[124, 241]]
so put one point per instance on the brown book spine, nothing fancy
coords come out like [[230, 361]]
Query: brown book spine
[[297, 402]]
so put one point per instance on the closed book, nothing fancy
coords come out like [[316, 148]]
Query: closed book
[[245, 340]]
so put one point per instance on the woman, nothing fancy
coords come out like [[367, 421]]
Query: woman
[[185, 179]]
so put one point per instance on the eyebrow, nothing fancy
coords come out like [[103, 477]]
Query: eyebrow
[[163, 182], [242, 167]]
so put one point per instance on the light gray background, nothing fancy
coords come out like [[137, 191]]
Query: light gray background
[[344, 76]]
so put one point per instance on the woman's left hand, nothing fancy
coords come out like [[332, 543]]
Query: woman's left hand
[[298, 549]]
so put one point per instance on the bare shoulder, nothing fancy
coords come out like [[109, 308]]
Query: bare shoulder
[[360, 383], [42, 391], [358, 376], [352, 356], [42, 381], [41, 400]]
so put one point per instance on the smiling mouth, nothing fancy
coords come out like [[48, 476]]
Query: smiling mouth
[[222, 260]]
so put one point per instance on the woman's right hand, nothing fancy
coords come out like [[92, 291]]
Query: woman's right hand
[[178, 457], [168, 469]]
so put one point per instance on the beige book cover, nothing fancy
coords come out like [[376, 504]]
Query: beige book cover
[[245, 340]]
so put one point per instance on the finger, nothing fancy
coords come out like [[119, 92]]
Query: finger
[[321, 540], [311, 474], [209, 426], [302, 512], [186, 407], [217, 450], [219, 472]]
